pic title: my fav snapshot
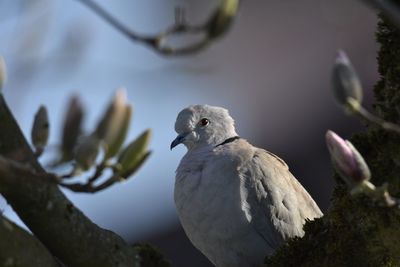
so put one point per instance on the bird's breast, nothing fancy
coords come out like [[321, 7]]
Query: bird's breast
[[209, 199], [209, 206]]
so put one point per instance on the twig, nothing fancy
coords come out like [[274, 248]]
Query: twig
[[364, 114], [379, 194], [89, 187], [157, 42], [115, 23]]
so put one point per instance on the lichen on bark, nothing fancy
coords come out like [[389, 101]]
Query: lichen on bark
[[355, 231]]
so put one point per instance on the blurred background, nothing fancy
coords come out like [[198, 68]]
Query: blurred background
[[272, 71]]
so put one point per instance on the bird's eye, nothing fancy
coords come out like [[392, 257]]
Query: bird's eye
[[204, 122]]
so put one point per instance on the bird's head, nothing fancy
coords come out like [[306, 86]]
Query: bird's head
[[199, 125]]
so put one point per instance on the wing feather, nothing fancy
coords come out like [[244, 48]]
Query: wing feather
[[277, 204]]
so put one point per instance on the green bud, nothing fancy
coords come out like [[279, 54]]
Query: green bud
[[126, 173], [72, 127], [134, 154], [345, 83], [112, 120], [40, 129], [3, 72], [221, 20], [86, 152], [118, 139]]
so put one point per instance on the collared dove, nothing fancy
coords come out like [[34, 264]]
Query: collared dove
[[237, 203]]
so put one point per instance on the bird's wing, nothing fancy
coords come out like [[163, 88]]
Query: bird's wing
[[274, 201]]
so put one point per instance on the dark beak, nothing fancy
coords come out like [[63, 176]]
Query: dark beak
[[178, 140]]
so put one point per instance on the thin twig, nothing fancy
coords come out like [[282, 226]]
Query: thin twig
[[157, 42], [89, 187], [369, 117], [117, 176], [113, 22]]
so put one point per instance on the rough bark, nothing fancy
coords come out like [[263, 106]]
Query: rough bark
[[63, 229], [19, 248], [355, 231]]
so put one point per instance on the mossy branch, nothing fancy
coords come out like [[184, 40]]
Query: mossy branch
[[356, 231]]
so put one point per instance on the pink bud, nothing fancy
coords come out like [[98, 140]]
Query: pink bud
[[347, 160], [341, 58]]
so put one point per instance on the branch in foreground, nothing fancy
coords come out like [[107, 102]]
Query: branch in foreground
[[217, 24], [19, 248], [66, 232], [62, 228]]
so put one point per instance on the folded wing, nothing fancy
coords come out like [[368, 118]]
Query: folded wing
[[274, 201]]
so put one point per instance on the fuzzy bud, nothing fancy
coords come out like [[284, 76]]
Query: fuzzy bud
[[349, 163], [114, 121], [345, 83], [114, 144], [132, 157], [72, 127], [40, 129], [222, 19], [86, 152]]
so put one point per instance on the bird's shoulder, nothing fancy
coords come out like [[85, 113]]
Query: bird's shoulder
[[242, 151], [235, 152]]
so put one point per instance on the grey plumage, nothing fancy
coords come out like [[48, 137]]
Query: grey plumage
[[237, 203]]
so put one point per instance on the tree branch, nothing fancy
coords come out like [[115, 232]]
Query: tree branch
[[11, 144], [215, 26], [62, 228], [117, 24], [19, 248]]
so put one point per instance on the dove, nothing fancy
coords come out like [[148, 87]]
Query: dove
[[237, 203]]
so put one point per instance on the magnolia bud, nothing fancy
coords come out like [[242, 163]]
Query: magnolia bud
[[125, 173], [72, 127], [222, 19], [3, 73], [345, 83], [40, 129], [110, 125], [86, 152], [347, 160], [132, 157], [114, 144]]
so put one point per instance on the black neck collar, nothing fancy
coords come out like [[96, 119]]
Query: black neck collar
[[229, 140]]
